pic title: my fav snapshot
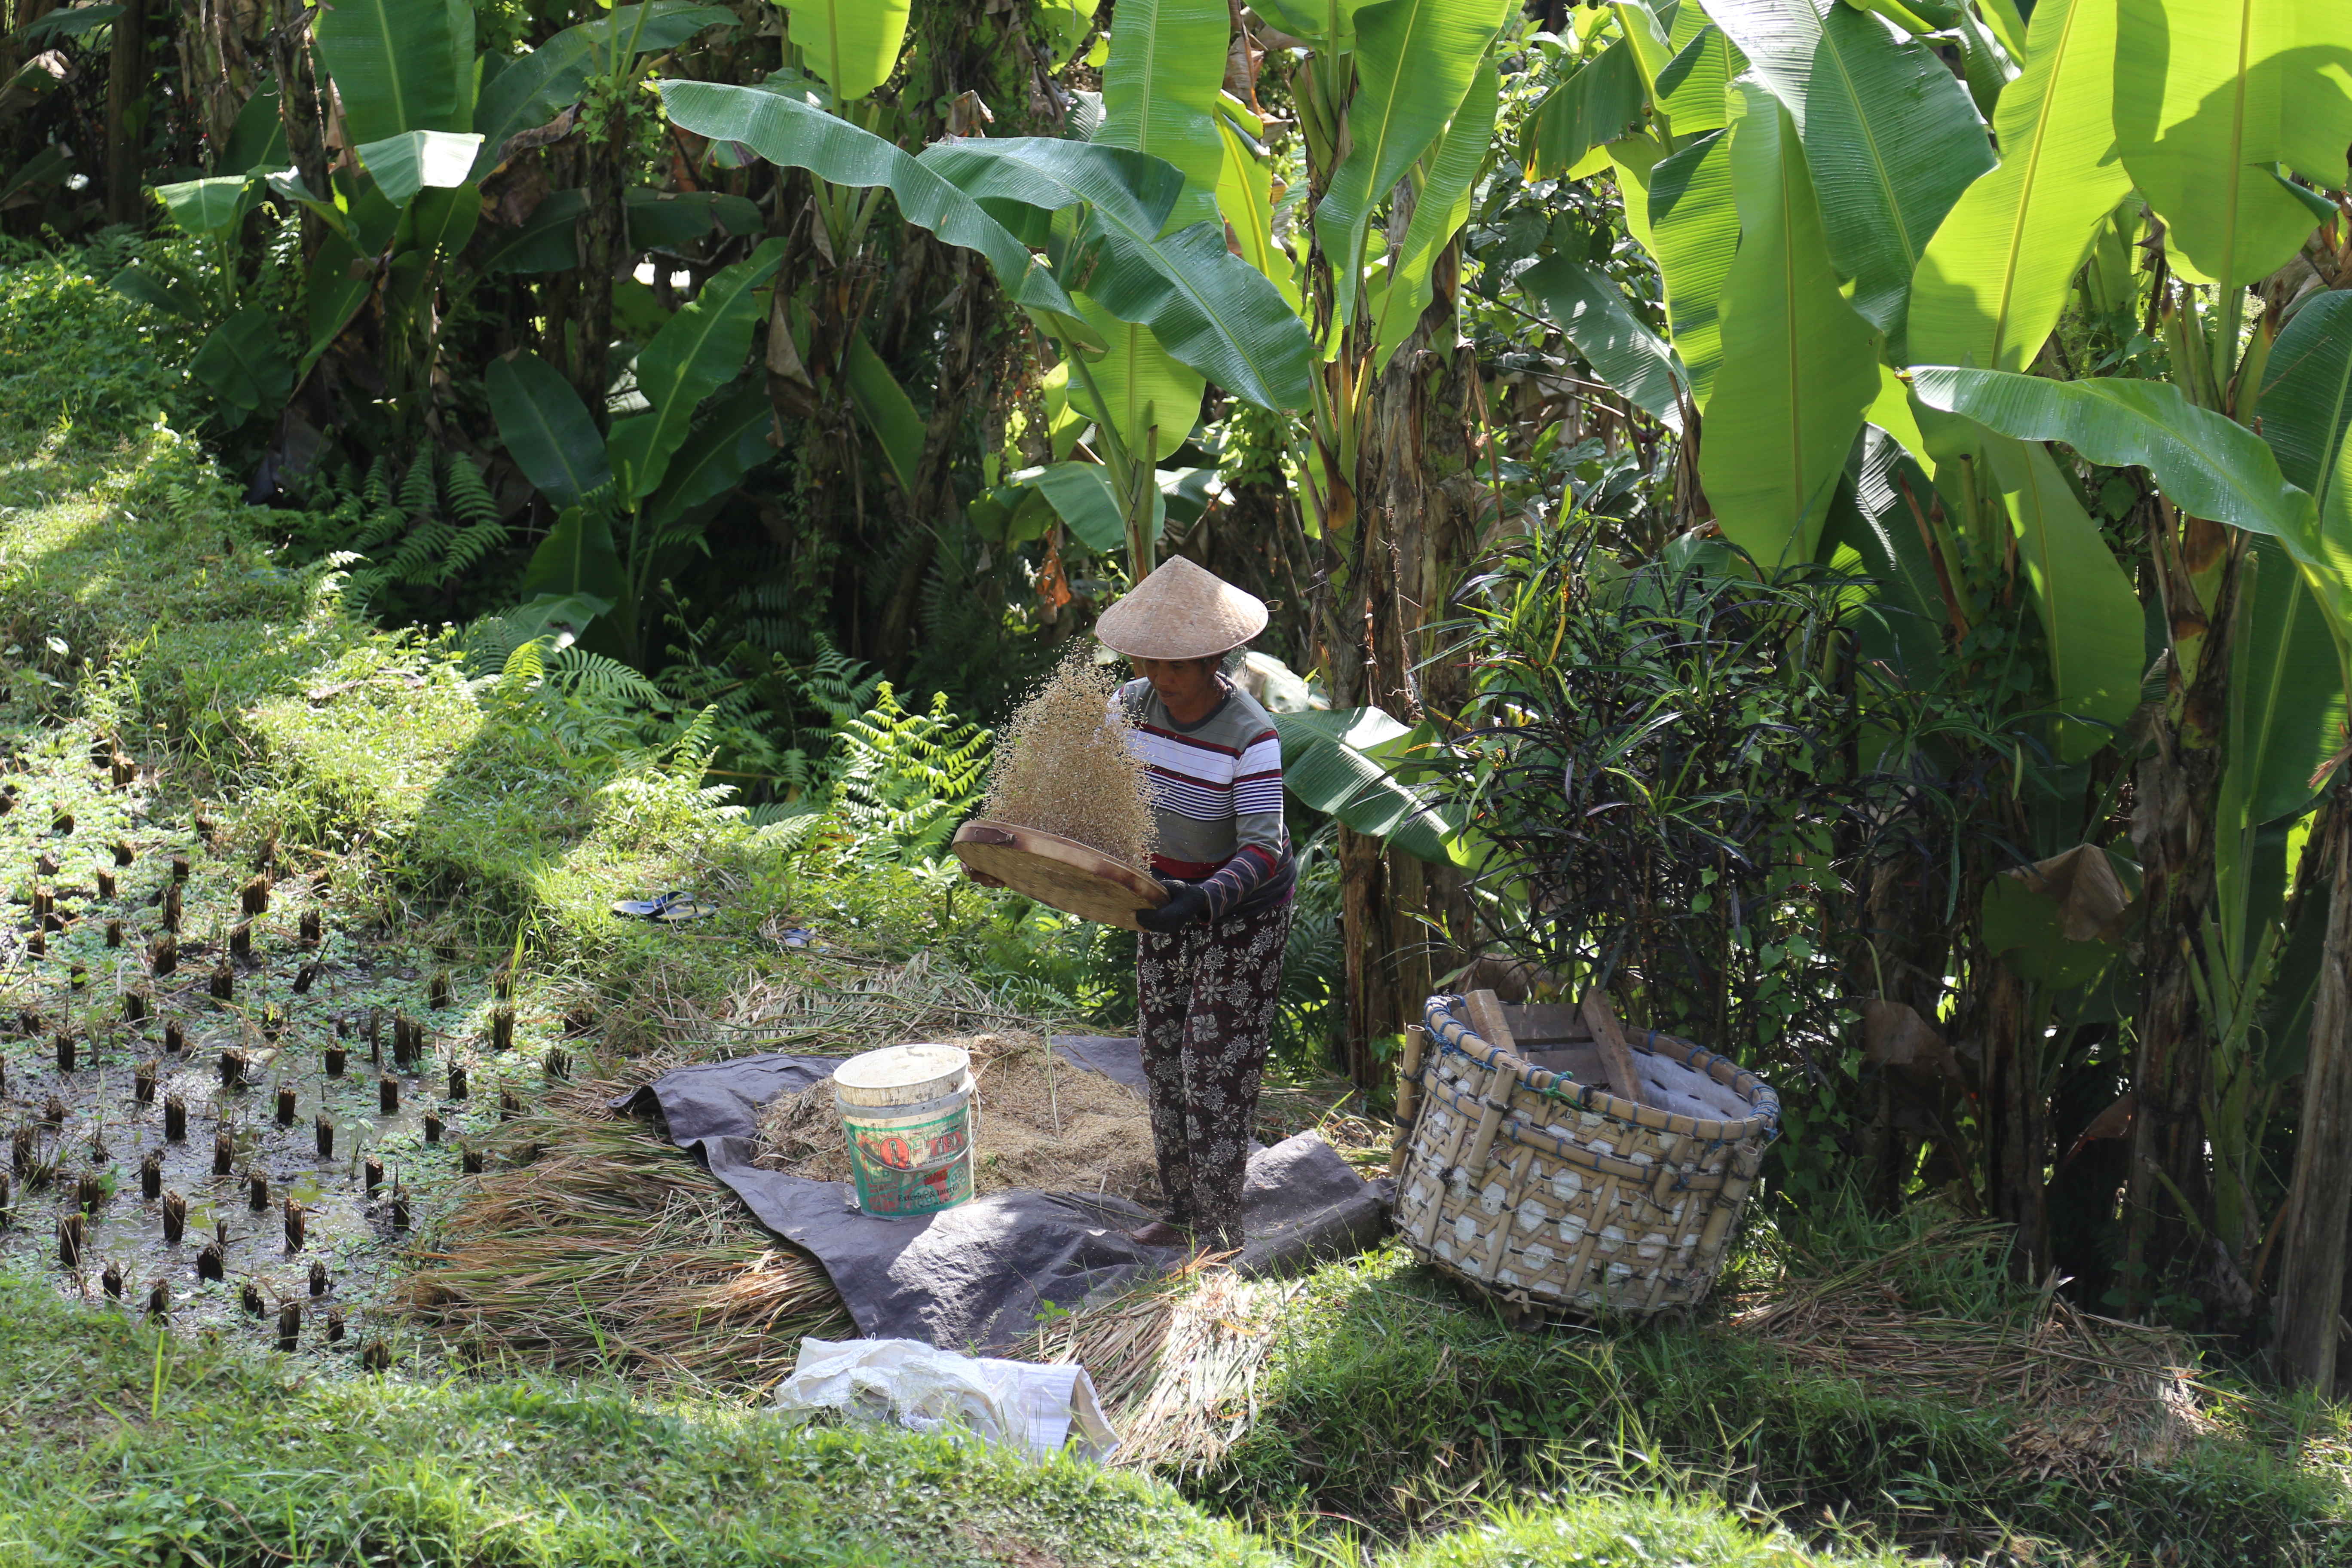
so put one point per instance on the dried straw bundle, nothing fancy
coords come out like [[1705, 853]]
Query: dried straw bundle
[[1064, 766], [2092, 1396], [1041, 1123], [619, 1252]]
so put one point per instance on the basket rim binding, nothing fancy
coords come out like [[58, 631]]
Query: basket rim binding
[[1452, 1033]]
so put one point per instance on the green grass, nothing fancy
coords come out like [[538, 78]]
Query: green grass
[[207, 1454]]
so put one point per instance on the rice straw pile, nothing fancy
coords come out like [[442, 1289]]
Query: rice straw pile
[[615, 1250], [1064, 766], [2093, 1395], [1041, 1123]]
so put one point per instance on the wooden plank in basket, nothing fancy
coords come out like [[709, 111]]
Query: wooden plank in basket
[[1058, 871]]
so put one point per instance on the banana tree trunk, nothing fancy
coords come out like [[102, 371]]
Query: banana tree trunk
[[2319, 1203], [126, 87], [2168, 1193], [602, 235]]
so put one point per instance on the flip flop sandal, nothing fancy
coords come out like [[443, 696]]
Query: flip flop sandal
[[647, 909], [685, 907], [799, 936]]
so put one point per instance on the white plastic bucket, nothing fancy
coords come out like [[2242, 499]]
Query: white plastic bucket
[[908, 1114]]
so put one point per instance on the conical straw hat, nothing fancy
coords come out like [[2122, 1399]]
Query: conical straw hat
[[1180, 611]]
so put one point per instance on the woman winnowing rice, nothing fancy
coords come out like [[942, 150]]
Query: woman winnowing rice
[[1208, 963]]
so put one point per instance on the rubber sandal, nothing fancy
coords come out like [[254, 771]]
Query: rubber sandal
[[684, 908], [647, 909], [799, 936]]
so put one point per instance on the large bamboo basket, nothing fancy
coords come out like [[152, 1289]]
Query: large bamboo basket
[[1520, 1172]]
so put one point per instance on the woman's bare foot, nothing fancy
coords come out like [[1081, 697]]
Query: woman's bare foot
[[1160, 1233]]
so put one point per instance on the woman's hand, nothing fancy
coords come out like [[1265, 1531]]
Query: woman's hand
[[1186, 904]]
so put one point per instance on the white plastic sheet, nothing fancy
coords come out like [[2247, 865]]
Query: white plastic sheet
[[1017, 1404]]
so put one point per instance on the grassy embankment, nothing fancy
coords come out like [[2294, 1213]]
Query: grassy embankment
[[459, 807]]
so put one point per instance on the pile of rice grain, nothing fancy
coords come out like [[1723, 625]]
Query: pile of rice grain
[[1064, 766], [1041, 1123]]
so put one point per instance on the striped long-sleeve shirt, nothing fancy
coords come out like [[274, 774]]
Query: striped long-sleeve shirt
[[1217, 791]]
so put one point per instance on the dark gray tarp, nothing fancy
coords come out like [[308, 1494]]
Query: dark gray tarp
[[977, 1276]]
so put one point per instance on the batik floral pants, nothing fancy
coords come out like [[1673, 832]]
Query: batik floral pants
[[1205, 998]]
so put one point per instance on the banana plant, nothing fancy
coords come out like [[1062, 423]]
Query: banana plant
[[1105, 217], [632, 502]]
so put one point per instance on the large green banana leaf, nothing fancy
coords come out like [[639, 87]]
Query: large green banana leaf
[[1799, 364], [2306, 407], [851, 44], [1899, 625], [1990, 284], [698, 351], [2206, 465], [1589, 110], [797, 135], [547, 429], [2092, 627], [729, 442], [244, 364], [533, 89], [1149, 392], [1159, 92], [2286, 708], [1438, 213], [395, 65], [1692, 88], [414, 159], [1082, 497], [1694, 234], [887, 409], [1208, 306], [2211, 97], [207, 205], [1625, 353], [1414, 59], [1891, 138], [1344, 764], [1246, 201]]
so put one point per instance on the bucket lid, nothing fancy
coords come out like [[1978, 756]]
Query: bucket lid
[[901, 1075]]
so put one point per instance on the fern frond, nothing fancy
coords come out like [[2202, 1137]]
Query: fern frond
[[469, 499]]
